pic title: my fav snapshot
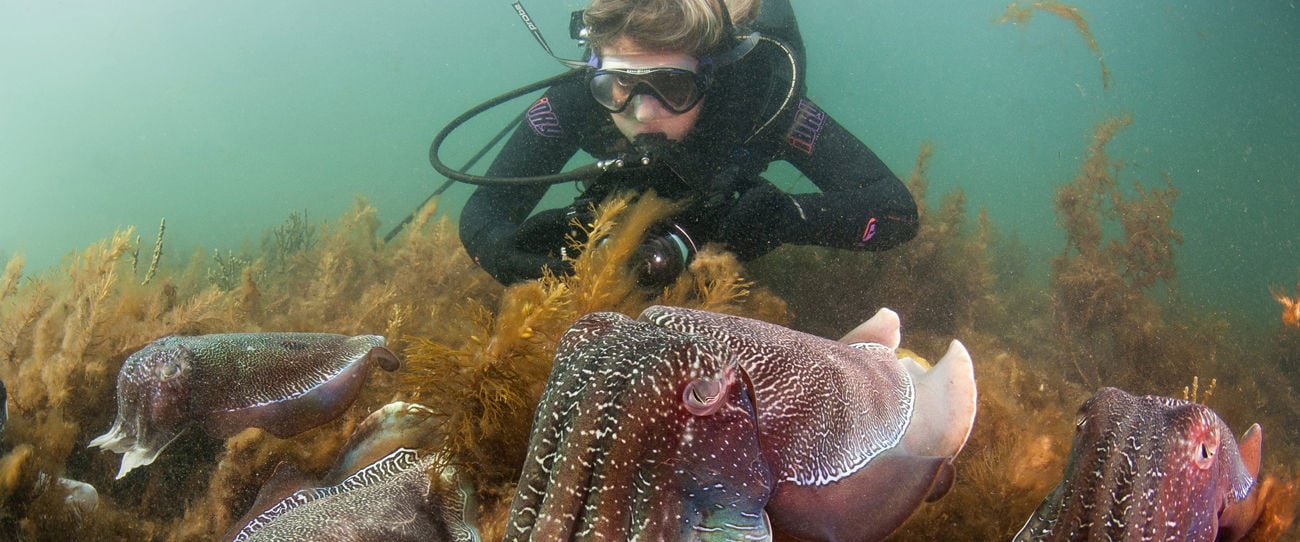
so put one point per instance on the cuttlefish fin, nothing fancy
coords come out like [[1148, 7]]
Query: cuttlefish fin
[[1238, 516], [945, 404], [883, 328]]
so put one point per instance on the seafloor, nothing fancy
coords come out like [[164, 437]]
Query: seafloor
[[1106, 314]]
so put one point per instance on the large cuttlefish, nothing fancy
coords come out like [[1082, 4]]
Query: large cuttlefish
[[1151, 468], [285, 383], [690, 425], [856, 438]]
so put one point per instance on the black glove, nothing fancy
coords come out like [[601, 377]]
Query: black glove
[[514, 255], [509, 265], [760, 220], [545, 232]]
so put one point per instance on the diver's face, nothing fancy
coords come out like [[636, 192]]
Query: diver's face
[[645, 114]]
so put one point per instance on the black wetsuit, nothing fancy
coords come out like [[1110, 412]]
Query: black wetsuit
[[861, 204]]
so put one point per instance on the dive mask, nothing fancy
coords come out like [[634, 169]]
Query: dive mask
[[677, 89]]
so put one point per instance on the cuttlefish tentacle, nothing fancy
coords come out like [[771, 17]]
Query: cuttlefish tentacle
[[641, 433], [1151, 468], [855, 437], [285, 383]]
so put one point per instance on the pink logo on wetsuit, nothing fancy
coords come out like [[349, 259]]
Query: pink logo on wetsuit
[[868, 232], [543, 120], [808, 123]]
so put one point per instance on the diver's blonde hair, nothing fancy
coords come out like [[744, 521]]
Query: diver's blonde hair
[[692, 27]]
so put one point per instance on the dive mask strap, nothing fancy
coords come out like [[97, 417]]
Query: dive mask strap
[[537, 34], [744, 44]]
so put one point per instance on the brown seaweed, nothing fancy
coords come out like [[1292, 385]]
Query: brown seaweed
[[479, 353], [1290, 306], [1020, 16], [1100, 284]]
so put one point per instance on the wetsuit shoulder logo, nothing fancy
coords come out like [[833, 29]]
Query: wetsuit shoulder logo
[[868, 232], [808, 123], [542, 118]]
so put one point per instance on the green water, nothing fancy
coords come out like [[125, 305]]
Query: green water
[[224, 117]]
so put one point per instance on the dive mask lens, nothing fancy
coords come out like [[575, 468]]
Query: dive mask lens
[[677, 89]]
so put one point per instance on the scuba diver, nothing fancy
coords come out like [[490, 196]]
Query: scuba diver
[[691, 99]]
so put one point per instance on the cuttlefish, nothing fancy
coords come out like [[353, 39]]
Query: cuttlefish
[[856, 438], [1151, 468], [285, 383], [382, 488], [642, 433]]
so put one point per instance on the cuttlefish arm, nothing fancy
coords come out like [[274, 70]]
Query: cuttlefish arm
[[1151, 468], [856, 437], [946, 393], [641, 434]]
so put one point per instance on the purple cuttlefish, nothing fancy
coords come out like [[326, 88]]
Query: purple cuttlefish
[[1151, 468], [285, 383], [691, 425]]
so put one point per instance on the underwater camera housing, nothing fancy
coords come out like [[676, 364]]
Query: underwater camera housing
[[665, 252], [663, 256], [667, 249]]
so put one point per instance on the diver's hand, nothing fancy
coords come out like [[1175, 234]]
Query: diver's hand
[[513, 255], [545, 231], [760, 220], [509, 265]]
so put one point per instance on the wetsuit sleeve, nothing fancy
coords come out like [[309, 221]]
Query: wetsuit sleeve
[[862, 204], [489, 223]]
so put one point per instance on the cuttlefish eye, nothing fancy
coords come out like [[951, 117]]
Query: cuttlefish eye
[[170, 368], [1204, 452], [704, 396]]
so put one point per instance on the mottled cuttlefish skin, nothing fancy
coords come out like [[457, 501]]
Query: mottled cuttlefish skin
[[382, 489], [642, 433], [285, 383], [1151, 468], [388, 501], [856, 438]]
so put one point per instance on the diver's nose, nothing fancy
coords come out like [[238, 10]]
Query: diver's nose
[[646, 108]]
